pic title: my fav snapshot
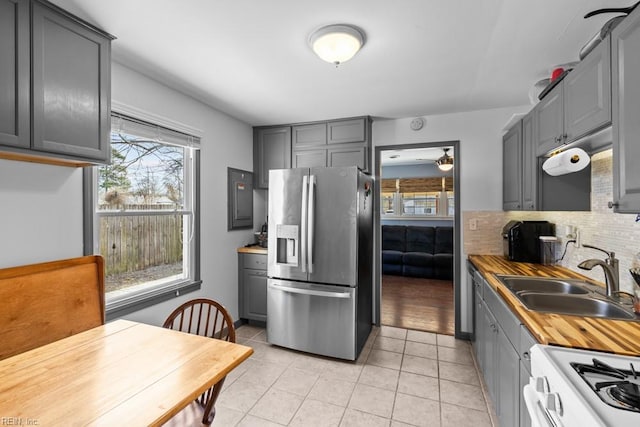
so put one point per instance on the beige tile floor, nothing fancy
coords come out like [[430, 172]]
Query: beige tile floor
[[402, 378]]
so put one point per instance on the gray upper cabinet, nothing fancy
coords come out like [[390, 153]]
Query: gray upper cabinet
[[71, 66], [529, 164], [587, 94], [512, 168], [626, 114], [271, 150], [305, 136], [309, 158], [55, 85], [579, 105], [344, 131], [344, 142], [549, 121], [14, 73]]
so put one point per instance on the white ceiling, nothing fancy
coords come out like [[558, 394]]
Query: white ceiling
[[412, 156], [250, 58]]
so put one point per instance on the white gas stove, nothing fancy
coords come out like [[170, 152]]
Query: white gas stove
[[571, 387]]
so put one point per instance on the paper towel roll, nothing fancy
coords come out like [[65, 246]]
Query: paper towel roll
[[572, 160]]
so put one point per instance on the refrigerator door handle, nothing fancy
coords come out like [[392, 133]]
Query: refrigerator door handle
[[311, 221], [303, 220], [311, 292]]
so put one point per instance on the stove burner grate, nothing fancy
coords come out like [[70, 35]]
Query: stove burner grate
[[629, 394], [615, 387]]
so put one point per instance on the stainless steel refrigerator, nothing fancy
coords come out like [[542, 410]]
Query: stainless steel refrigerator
[[319, 291]]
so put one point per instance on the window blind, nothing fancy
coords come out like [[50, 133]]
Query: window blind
[[129, 125]]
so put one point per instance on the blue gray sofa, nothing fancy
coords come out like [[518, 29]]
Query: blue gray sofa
[[417, 251]]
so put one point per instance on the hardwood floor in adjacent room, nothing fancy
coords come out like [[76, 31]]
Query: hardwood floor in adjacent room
[[420, 304]]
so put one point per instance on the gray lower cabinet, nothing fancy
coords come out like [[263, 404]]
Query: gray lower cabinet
[[252, 286], [626, 114], [55, 73], [271, 150], [501, 346], [14, 73], [579, 105]]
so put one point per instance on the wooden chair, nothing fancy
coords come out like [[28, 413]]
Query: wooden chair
[[207, 318]]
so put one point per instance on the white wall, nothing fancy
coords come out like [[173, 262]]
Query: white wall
[[40, 213], [41, 205], [480, 136], [226, 142], [479, 158]]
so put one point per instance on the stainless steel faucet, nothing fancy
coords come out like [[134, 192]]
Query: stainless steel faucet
[[610, 267]]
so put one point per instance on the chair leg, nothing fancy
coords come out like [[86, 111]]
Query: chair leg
[[209, 409]]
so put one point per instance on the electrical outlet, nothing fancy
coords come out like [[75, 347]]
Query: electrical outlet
[[473, 224]]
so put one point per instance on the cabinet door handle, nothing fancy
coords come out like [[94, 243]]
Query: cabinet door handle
[[565, 137], [526, 355], [612, 205]]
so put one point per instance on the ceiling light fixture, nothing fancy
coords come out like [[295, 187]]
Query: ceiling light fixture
[[337, 43], [445, 163]]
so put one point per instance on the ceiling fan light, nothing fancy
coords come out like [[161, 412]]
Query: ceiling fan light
[[445, 163], [336, 43]]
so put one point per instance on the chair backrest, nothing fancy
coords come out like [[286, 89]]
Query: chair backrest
[[203, 317], [45, 302]]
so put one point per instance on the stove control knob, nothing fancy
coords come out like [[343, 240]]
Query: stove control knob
[[541, 384], [553, 403]]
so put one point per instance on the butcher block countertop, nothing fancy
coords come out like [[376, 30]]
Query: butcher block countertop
[[615, 336], [255, 249]]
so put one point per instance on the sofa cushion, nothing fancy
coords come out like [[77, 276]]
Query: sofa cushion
[[392, 257], [418, 259], [443, 266], [394, 238], [443, 240], [420, 239]]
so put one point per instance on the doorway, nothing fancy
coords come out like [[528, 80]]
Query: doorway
[[414, 196]]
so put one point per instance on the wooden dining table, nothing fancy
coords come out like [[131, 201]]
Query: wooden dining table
[[120, 373]]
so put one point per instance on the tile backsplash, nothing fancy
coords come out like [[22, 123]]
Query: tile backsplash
[[600, 227]]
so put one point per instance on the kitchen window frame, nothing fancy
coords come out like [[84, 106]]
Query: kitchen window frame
[[140, 299]]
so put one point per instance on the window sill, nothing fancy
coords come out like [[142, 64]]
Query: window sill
[[139, 300]]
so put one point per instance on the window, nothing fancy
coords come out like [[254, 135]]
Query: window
[[145, 214], [417, 197]]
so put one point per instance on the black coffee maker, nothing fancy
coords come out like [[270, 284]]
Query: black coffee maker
[[521, 239]]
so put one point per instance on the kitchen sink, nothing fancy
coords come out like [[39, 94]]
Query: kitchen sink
[[564, 296], [543, 284], [576, 305]]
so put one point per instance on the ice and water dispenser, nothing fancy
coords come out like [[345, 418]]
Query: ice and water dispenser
[[287, 244]]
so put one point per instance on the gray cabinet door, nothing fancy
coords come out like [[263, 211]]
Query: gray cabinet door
[[549, 121], [350, 155], [255, 294], [71, 67], [343, 131], [525, 419], [507, 381], [587, 94], [272, 150], [512, 169], [626, 114], [489, 347], [14, 73], [304, 136], [529, 164], [309, 158]]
